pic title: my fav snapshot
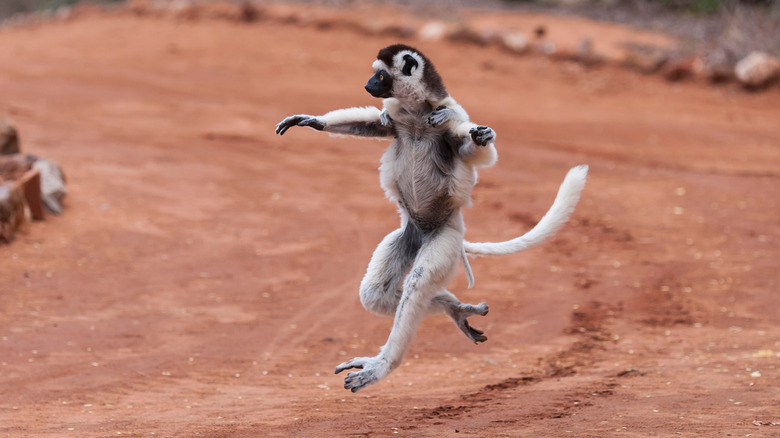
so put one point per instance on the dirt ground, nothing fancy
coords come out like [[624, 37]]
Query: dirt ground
[[203, 279]]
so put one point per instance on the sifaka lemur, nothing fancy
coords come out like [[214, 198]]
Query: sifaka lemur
[[428, 170]]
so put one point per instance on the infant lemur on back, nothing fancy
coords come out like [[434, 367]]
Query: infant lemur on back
[[428, 171]]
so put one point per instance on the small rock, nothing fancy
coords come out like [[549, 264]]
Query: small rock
[[52, 185], [432, 31], [30, 184], [9, 137], [514, 42], [12, 167], [12, 210], [757, 70]]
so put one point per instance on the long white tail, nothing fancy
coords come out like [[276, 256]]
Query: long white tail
[[562, 208]]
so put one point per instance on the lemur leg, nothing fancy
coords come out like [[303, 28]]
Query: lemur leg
[[433, 268], [459, 312], [380, 290]]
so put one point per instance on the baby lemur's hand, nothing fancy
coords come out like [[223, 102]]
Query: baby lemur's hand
[[482, 135]]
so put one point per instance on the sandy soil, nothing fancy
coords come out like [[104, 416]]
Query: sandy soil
[[203, 281]]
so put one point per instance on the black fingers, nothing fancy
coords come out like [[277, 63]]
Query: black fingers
[[287, 123], [439, 116], [313, 122], [347, 365], [476, 335], [359, 380], [299, 120], [482, 135]]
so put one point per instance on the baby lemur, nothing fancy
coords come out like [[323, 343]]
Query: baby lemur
[[428, 171]]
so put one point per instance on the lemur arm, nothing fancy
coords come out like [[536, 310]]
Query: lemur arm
[[361, 122], [478, 141]]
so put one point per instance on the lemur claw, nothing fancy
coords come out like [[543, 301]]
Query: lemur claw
[[482, 135], [299, 120]]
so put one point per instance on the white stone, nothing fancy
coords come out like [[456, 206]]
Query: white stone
[[432, 31], [515, 42], [757, 69]]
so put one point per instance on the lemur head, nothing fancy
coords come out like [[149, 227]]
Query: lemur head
[[406, 74]]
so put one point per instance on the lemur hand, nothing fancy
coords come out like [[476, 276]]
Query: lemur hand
[[439, 116], [385, 119], [300, 120], [482, 135]]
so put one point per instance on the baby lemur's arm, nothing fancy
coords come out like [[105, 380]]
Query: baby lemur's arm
[[361, 122]]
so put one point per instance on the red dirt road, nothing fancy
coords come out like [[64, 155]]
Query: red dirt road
[[203, 280]]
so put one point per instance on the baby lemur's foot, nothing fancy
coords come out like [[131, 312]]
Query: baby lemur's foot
[[459, 315], [482, 135], [439, 116]]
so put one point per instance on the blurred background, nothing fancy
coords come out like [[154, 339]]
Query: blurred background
[[199, 274], [734, 27]]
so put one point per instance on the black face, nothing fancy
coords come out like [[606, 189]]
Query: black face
[[380, 85]]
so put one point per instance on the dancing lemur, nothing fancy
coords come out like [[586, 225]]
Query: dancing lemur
[[429, 171]]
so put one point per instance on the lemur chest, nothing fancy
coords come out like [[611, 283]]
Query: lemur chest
[[424, 155], [420, 169]]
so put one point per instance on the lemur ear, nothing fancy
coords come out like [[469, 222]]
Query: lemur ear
[[409, 65]]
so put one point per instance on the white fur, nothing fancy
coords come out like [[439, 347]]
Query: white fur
[[351, 115], [553, 220], [379, 65]]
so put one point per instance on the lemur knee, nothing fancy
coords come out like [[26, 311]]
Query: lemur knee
[[378, 300]]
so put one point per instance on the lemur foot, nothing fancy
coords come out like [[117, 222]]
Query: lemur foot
[[299, 120], [439, 116], [372, 370], [459, 315], [482, 135]]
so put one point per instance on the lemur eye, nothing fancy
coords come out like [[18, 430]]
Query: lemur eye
[[381, 77]]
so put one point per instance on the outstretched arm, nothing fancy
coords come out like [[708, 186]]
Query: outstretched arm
[[361, 122]]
